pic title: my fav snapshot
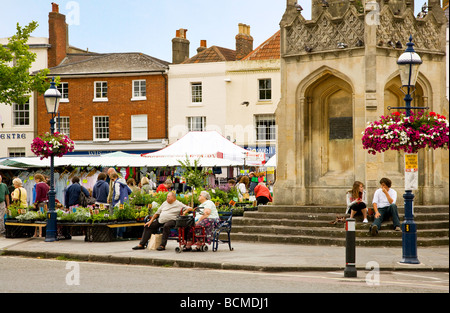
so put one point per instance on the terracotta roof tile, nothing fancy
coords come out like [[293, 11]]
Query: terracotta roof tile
[[213, 54], [269, 49]]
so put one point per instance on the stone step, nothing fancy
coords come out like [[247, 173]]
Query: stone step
[[330, 241], [385, 231], [341, 209], [312, 225], [325, 221]]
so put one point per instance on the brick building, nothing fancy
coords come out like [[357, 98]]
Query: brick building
[[110, 102]]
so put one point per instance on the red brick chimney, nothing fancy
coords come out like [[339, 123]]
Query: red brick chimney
[[244, 42], [180, 47], [57, 36]]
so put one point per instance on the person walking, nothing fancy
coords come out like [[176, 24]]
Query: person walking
[[101, 189], [42, 189], [72, 196], [19, 195], [4, 203], [121, 191]]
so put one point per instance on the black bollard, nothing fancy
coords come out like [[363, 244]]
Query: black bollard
[[350, 251]]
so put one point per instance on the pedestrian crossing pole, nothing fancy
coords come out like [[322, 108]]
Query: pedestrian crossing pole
[[350, 248]]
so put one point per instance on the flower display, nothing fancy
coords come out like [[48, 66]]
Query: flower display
[[49, 145], [409, 134]]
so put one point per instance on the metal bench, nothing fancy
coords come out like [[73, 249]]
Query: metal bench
[[226, 221]]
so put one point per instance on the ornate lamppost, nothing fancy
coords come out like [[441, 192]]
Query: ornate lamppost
[[408, 64], [52, 97]]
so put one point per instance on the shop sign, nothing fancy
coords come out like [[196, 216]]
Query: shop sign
[[12, 136]]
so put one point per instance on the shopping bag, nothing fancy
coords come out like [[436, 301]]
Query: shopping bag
[[155, 241], [184, 221]]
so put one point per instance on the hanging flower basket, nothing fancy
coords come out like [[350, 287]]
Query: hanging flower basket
[[408, 134], [49, 145]]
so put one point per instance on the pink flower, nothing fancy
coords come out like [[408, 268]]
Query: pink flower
[[399, 133], [47, 145]]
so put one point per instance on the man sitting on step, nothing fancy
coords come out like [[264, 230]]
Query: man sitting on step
[[384, 205]]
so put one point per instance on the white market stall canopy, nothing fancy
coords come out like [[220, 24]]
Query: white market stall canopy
[[211, 148], [272, 162]]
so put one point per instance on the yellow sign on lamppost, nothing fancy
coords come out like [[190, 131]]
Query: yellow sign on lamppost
[[411, 171]]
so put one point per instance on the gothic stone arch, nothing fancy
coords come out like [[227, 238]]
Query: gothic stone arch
[[326, 99]]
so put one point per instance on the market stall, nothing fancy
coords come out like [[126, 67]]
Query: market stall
[[211, 148]]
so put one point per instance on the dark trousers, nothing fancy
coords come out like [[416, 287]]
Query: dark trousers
[[262, 200], [358, 207], [153, 229], [386, 212]]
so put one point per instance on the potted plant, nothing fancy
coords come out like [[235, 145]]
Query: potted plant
[[49, 145], [407, 133]]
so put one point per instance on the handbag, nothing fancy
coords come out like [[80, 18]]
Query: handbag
[[18, 201], [184, 221]]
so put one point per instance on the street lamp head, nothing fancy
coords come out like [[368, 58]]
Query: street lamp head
[[52, 97], [408, 64]]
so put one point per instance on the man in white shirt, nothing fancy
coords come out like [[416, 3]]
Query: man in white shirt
[[165, 217], [384, 205]]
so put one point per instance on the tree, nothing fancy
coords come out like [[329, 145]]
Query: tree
[[194, 174], [16, 82]]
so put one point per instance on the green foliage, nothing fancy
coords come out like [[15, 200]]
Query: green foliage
[[30, 216], [16, 83], [13, 210], [125, 214], [101, 217], [194, 174]]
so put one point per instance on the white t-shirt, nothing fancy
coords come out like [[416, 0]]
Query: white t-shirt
[[208, 204], [381, 200], [170, 212]]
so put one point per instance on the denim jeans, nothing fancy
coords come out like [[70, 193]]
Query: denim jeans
[[386, 212], [2, 217]]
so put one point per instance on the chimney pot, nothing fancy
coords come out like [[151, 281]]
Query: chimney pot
[[202, 46], [55, 7], [180, 47], [244, 42], [181, 33]]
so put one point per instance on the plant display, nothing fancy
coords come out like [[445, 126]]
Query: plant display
[[49, 145], [139, 206], [30, 216], [409, 134]]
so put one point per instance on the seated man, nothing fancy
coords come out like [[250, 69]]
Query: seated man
[[384, 204], [165, 217]]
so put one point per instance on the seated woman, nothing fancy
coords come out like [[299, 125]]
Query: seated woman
[[207, 216], [357, 200]]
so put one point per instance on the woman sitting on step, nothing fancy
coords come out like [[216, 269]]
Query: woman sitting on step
[[357, 200]]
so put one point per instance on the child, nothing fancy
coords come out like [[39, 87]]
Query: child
[[357, 200]]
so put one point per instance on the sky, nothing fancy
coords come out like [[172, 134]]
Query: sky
[[148, 26]]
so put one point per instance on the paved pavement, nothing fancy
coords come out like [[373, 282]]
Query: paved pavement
[[245, 256]]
